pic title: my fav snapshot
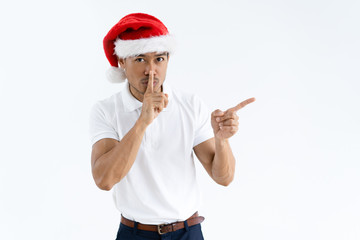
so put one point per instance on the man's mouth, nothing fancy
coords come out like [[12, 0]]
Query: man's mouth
[[146, 83]]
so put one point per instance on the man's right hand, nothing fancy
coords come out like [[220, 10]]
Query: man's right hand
[[153, 103]]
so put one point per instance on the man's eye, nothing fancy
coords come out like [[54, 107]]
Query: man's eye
[[139, 60], [160, 59]]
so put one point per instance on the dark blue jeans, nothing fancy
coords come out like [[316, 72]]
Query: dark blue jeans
[[187, 233]]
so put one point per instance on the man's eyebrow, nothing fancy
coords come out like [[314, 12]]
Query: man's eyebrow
[[157, 55], [160, 54]]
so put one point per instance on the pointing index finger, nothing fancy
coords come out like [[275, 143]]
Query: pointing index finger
[[242, 104]]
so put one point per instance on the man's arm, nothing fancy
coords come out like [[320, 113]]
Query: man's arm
[[215, 154], [111, 160], [217, 158]]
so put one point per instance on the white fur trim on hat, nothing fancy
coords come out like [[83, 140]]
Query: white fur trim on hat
[[116, 75], [127, 48]]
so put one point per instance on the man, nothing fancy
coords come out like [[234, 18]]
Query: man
[[144, 137]]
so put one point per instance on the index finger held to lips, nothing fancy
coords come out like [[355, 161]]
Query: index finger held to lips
[[150, 86]]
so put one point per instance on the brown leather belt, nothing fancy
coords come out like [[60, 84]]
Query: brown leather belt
[[164, 228]]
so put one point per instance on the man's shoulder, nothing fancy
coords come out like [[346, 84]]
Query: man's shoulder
[[189, 101], [187, 97], [108, 103], [184, 95]]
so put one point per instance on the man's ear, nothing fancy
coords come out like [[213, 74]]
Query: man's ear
[[121, 62]]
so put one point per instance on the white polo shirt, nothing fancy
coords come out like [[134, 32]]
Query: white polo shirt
[[161, 186]]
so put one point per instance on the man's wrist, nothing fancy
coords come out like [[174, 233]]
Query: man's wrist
[[221, 142], [141, 125]]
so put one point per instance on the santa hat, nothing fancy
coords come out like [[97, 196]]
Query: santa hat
[[135, 34]]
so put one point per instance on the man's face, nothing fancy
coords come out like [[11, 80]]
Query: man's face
[[137, 71]]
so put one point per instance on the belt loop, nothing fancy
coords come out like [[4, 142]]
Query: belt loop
[[135, 227], [186, 225]]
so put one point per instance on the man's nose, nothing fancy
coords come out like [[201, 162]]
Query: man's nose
[[150, 67]]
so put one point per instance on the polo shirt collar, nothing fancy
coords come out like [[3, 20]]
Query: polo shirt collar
[[131, 103]]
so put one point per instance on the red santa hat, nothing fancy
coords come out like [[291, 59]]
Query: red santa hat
[[135, 34]]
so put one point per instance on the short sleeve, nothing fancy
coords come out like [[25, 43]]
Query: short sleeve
[[203, 129], [100, 125]]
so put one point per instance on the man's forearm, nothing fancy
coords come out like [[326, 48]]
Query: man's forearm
[[115, 164], [223, 165]]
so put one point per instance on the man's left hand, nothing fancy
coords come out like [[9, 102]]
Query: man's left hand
[[225, 124]]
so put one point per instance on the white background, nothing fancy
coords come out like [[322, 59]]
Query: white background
[[297, 148]]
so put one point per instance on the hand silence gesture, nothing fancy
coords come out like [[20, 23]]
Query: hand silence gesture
[[153, 102]]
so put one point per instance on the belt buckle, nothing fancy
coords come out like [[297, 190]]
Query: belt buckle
[[159, 229]]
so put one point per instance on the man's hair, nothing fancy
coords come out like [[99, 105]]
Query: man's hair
[[136, 55]]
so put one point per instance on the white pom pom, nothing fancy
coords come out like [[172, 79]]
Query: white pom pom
[[115, 75]]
